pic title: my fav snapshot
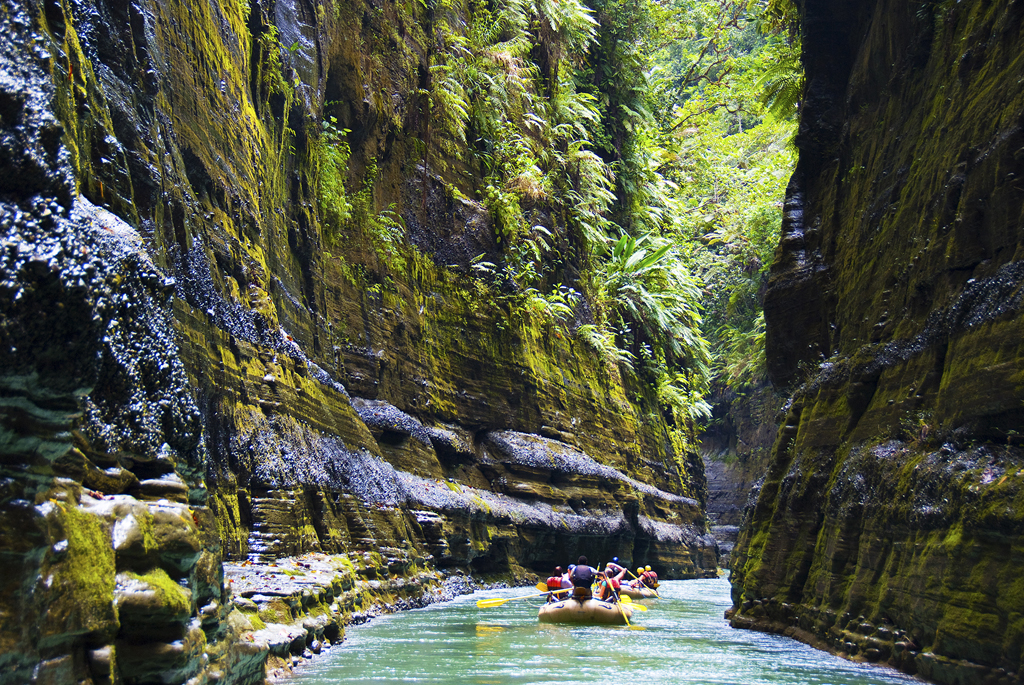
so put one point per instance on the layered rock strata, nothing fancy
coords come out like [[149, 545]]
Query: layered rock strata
[[890, 524], [188, 375]]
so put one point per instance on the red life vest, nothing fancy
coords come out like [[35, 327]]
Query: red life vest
[[610, 588]]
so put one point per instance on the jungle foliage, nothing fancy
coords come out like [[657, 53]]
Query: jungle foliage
[[633, 155]]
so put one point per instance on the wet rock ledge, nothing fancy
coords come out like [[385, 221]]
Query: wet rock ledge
[[298, 607]]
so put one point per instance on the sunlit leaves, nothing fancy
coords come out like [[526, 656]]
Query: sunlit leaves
[[730, 118], [652, 294], [572, 21], [502, 89], [655, 139], [781, 83]]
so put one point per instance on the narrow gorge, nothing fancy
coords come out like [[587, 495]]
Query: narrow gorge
[[294, 330]]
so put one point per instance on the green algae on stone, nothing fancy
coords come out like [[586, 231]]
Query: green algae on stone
[[79, 573]]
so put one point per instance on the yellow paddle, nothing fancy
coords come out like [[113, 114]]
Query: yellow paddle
[[498, 601], [625, 617], [626, 599]]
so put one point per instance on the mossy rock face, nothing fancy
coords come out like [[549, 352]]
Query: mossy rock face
[[888, 525], [188, 351], [79, 568], [151, 601], [276, 611]]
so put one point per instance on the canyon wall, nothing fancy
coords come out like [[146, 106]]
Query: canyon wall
[[193, 372], [890, 524], [736, 446]]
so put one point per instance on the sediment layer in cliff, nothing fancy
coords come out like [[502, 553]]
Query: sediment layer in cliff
[[889, 524]]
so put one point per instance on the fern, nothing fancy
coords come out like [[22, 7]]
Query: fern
[[782, 86], [271, 70], [449, 106], [683, 395], [602, 341], [556, 306], [333, 153], [744, 362], [656, 298]]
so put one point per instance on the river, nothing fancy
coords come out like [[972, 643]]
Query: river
[[685, 641]]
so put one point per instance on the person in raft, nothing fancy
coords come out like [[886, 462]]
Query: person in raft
[[582, 577], [614, 567], [638, 581], [649, 577], [556, 583], [610, 584]]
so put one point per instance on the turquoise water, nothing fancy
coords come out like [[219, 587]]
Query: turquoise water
[[685, 641]]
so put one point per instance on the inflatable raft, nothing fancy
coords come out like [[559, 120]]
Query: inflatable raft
[[589, 611], [638, 593]]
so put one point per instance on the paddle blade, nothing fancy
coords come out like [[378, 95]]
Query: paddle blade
[[498, 601], [542, 587], [625, 599], [488, 603]]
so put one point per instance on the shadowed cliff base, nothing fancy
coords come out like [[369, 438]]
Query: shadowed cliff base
[[736, 447]]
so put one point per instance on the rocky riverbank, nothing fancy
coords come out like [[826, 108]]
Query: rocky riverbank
[[298, 607]]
